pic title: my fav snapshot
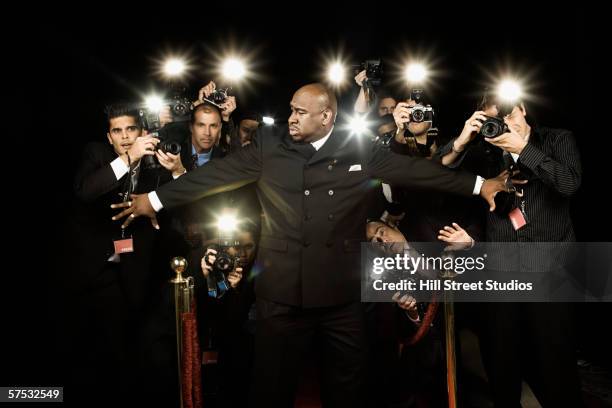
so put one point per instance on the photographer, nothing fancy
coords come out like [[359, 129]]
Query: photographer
[[418, 373], [431, 214], [182, 131], [227, 319], [385, 128], [248, 123], [226, 105], [548, 161], [193, 220], [385, 102], [112, 267]]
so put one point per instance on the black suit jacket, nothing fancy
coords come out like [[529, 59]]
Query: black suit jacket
[[91, 232], [551, 163], [314, 215]]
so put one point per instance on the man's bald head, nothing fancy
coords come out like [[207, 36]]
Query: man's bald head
[[313, 112], [325, 96]]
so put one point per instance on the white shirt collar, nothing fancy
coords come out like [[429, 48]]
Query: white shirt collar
[[319, 143]]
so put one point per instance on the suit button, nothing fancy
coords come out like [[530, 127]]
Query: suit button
[[306, 244], [307, 192], [330, 217], [330, 167], [330, 192], [307, 217]]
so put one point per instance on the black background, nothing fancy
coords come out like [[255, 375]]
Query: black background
[[71, 63]]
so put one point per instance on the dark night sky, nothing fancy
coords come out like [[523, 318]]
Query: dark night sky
[[72, 65]]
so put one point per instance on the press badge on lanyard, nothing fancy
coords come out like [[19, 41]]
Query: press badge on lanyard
[[518, 217], [126, 245], [123, 245]]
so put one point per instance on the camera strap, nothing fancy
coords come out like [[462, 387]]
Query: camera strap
[[125, 245]]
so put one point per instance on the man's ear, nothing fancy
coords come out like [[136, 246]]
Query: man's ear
[[328, 116], [523, 110], [110, 139]]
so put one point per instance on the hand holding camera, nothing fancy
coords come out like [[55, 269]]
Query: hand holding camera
[[361, 77], [402, 115], [407, 303], [142, 146], [227, 108], [205, 92], [509, 140], [471, 128], [372, 73], [171, 162], [215, 262]]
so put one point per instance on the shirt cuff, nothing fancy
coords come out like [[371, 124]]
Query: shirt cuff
[[155, 203], [478, 185], [415, 321], [175, 177], [119, 167]]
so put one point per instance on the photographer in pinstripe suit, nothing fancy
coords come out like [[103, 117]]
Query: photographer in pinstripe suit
[[538, 334]]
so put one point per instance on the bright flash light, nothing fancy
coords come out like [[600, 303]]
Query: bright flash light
[[335, 73], [227, 223], [415, 72], [233, 69], [509, 91], [358, 125], [268, 120], [154, 103], [174, 67]]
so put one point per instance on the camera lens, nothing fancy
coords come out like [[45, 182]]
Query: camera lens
[[171, 147], [224, 263], [180, 109], [490, 129], [418, 115]]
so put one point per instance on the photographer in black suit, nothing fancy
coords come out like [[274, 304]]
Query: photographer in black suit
[[549, 159], [111, 269], [311, 180]]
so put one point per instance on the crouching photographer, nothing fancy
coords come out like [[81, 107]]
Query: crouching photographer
[[417, 374], [225, 316]]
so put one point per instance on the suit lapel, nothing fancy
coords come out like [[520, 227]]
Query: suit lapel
[[336, 141]]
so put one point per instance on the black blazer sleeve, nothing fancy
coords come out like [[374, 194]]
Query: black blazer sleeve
[[416, 172], [561, 170], [95, 176], [217, 176]]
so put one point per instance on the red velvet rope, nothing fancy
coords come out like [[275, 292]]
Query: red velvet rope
[[192, 361], [428, 319]]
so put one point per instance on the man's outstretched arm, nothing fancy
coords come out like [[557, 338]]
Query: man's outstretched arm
[[220, 175]]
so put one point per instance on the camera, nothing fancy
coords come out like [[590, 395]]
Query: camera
[[373, 69], [218, 97], [180, 109], [420, 112], [166, 146], [226, 260], [493, 127]]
